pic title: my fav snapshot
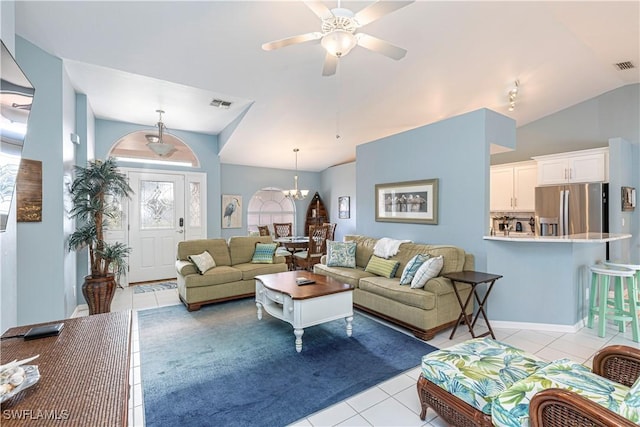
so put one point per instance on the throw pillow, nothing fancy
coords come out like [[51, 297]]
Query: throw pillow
[[382, 267], [411, 268], [341, 254], [263, 253], [428, 270], [203, 262]]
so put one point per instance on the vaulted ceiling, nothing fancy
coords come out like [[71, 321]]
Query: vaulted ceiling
[[132, 58]]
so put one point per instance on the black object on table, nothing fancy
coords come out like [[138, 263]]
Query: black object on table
[[474, 278]]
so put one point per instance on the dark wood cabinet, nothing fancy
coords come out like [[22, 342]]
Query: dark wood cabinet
[[316, 213]]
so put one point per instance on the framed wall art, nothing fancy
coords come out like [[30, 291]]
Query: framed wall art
[[231, 211], [410, 201], [344, 207], [29, 191], [628, 199]]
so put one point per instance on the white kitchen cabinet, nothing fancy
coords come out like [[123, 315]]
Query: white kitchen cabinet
[[576, 166], [513, 187]]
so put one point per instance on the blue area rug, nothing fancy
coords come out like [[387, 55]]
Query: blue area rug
[[152, 287], [221, 366]]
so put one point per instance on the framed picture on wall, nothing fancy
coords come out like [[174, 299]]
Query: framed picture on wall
[[344, 207], [628, 199], [231, 211], [409, 201]]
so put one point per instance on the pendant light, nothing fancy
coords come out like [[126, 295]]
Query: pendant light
[[296, 194], [156, 144]]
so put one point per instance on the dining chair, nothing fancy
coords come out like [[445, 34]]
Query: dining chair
[[317, 247], [282, 229], [332, 230], [263, 230]]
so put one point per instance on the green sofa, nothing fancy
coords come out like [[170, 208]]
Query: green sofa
[[423, 311], [231, 278]]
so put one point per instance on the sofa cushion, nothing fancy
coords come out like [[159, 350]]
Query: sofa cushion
[[391, 289], [263, 253], [215, 276], [250, 270], [412, 267], [428, 270], [630, 407], [216, 247], [382, 267], [241, 248], [203, 262], [511, 407], [478, 370], [347, 275], [341, 254], [185, 268]]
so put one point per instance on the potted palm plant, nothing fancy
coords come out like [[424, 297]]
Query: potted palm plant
[[92, 190]]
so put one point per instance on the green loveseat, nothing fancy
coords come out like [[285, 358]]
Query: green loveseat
[[231, 278], [423, 311]]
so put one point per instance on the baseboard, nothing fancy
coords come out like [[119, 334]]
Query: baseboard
[[550, 327], [79, 308]]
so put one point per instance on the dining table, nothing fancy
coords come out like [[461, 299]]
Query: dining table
[[297, 243]]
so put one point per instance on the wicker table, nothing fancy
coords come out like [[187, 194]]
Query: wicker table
[[84, 374]]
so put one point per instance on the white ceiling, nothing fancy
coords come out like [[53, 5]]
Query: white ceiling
[[132, 58]]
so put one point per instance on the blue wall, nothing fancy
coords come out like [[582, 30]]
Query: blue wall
[[42, 288], [246, 180], [340, 181], [456, 151]]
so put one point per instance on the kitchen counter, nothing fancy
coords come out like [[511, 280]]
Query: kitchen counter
[[572, 238], [544, 284]]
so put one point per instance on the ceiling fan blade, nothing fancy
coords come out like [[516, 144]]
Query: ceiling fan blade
[[377, 45], [292, 40], [318, 8], [379, 9], [330, 65]]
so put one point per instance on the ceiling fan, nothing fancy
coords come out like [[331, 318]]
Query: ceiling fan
[[339, 32]]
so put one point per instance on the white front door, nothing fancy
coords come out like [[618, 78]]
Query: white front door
[[157, 220]]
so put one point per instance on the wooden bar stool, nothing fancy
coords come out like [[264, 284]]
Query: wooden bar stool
[[623, 309]]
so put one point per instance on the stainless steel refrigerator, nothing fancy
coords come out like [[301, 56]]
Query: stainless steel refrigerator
[[572, 209]]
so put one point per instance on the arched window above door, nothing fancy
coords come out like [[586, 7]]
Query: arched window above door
[[133, 147], [267, 206]]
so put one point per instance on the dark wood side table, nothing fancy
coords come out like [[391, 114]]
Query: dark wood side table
[[473, 278], [84, 374]]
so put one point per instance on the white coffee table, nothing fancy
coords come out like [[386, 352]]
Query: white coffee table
[[304, 305]]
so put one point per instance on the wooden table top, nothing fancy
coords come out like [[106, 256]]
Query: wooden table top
[[84, 373], [472, 277], [286, 284]]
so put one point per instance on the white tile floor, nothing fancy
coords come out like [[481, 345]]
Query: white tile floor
[[395, 401]]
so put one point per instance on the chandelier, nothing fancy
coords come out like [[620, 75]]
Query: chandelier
[[156, 144], [296, 194], [513, 94]]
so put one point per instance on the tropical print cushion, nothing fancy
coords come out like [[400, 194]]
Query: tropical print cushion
[[630, 407], [511, 407], [411, 268], [477, 370], [341, 254]]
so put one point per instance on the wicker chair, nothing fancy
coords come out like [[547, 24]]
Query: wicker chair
[[264, 230], [282, 229], [558, 408], [317, 247]]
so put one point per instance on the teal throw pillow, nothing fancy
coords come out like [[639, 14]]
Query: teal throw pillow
[[341, 254], [203, 262], [264, 253], [382, 267], [411, 268]]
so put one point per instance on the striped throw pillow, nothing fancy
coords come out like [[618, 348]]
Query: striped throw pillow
[[264, 253], [382, 267], [428, 270], [412, 267]]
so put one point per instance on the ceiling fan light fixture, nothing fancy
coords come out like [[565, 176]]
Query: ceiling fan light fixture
[[339, 42]]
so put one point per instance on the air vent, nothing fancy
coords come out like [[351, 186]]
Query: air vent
[[220, 104], [626, 65]]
